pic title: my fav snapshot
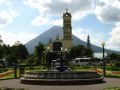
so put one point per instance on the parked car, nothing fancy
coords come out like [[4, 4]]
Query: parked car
[[82, 61]]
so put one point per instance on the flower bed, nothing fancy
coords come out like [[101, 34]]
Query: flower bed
[[116, 72], [6, 73], [109, 73]]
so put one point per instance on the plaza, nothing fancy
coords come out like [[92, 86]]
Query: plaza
[[43, 47], [15, 83]]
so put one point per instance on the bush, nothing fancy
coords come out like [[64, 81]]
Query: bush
[[73, 66], [109, 68], [116, 66], [2, 70]]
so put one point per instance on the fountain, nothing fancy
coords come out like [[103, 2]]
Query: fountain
[[61, 76]]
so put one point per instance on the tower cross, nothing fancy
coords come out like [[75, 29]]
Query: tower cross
[[66, 10]]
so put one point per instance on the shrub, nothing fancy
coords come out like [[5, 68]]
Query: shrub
[[116, 66], [3, 70]]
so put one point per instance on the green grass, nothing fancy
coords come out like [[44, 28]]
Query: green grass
[[8, 76], [11, 75], [83, 68], [112, 76], [35, 69], [112, 88]]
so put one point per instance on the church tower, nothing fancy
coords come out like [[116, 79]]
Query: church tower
[[67, 30], [66, 42]]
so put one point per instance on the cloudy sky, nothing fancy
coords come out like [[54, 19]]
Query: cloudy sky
[[23, 20]]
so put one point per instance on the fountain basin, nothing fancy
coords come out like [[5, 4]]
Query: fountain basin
[[61, 78]]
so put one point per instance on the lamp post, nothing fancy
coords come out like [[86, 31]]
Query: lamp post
[[61, 49], [19, 68], [15, 69], [104, 63]]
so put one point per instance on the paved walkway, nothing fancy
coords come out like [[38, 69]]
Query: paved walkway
[[15, 83]]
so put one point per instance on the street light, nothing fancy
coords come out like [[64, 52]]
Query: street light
[[104, 63], [61, 48], [15, 69]]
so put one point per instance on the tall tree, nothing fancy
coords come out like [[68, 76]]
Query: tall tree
[[30, 59], [6, 50], [1, 52], [1, 48], [80, 51], [11, 59], [20, 51], [1, 41], [114, 57], [39, 53], [88, 42], [89, 53]]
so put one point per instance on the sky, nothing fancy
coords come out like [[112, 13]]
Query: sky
[[23, 20]]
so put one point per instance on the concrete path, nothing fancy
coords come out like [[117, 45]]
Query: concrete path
[[15, 83]]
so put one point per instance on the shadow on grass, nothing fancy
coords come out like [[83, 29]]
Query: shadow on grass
[[6, 88]]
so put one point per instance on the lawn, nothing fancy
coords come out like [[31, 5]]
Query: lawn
[[8, 76], [112, 88]]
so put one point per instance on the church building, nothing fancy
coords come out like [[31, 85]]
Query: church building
[[66, 42]]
